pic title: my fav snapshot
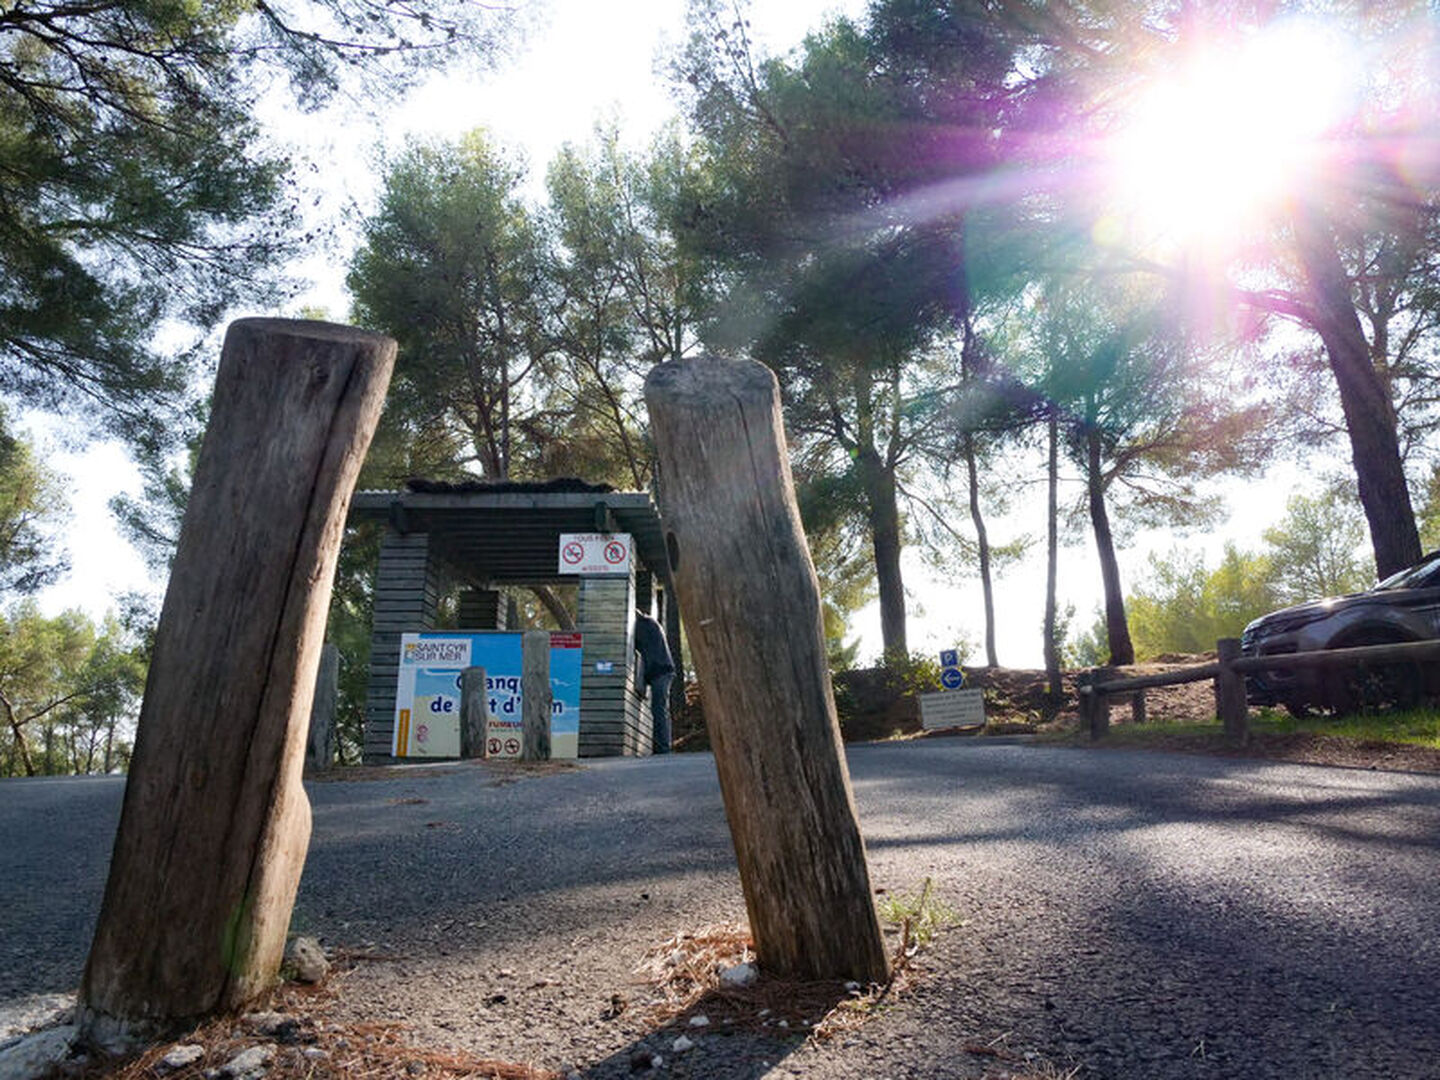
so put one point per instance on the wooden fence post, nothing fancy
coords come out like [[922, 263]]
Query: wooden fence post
[[1137, 707], [1095, 706], [474, 713], [1230, 693], [536, 696], [751, 605], [215, 823], [1085, 700]]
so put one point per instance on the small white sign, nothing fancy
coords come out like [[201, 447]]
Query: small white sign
[[595, 553], [952, 708]]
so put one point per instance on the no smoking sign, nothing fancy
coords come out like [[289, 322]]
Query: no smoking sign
[[596, 553]]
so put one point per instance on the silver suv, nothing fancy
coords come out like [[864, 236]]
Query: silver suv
[[1403, 607]]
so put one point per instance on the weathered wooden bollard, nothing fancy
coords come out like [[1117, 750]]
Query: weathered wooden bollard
[[751, 604], [215, 823], [536, 697], [474, 713]]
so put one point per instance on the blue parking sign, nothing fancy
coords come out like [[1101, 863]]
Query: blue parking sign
[[952, 678], [949, 658]]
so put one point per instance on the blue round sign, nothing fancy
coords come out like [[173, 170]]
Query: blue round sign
[[952, 678]]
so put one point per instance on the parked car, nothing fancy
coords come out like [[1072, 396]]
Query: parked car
[[1403, 607]]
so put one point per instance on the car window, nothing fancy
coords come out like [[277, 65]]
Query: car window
[[1425, 572]]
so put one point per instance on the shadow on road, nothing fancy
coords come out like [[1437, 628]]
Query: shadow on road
[[1138, 915]]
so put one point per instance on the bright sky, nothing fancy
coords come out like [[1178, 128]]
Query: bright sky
[[586, 62]]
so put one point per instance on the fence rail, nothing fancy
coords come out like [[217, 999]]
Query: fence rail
[[1228, 674]]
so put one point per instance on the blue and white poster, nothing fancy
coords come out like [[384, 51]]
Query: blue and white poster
[[427, 692]]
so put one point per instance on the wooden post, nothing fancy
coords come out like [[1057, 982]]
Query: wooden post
[[1084, 699], [1230, 693], [535, 695], [1137, 707], [474, 713], [320, 746], [215, 822], [751, 603], [1095, 705]]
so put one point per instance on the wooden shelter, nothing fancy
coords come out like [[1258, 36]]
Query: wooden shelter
[[463, 548]]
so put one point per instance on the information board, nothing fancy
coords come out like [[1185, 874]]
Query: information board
[[952, 708], [427, 692]]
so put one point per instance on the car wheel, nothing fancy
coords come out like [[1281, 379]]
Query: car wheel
[[1371, 687], [1300, 710]]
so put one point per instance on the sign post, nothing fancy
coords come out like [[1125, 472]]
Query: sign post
[[954, 706]]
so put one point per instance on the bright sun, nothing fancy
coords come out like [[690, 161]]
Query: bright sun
[[1212, 149]]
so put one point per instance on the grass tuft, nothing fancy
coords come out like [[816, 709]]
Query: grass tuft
[[919, 916]]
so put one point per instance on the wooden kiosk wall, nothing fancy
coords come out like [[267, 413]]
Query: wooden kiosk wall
[[410, 580]]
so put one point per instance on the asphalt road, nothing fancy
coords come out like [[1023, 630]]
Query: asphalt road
[[1130, 914]]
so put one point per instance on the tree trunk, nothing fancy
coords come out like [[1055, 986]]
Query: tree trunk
[[883, 512], [1121, 650], [1364, 397], [18, 733], [215, 822], [1052, 558], [555, 606], [982, 543], [751, 603]]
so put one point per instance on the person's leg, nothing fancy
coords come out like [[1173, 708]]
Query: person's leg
[[660, 712]]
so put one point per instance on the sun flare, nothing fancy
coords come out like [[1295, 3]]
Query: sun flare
[[1208, 151]]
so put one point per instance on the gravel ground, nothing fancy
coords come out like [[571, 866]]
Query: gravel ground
[[1125, 914]]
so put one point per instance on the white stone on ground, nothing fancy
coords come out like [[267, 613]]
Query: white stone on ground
[[182, 1055], [739, 976], [305, 960], [248, 1064]]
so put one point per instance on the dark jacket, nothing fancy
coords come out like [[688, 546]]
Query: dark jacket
[[653, 649]]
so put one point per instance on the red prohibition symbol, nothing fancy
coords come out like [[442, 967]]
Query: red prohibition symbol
[[614, 552], [572, 553]]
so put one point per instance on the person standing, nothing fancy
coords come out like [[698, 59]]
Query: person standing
[[654, 651]]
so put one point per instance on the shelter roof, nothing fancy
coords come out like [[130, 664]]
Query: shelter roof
[[508, 533]]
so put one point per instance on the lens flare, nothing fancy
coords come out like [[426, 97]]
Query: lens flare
[[1208, 152]]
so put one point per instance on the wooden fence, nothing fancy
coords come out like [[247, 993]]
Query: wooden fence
[[1228, 674]]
